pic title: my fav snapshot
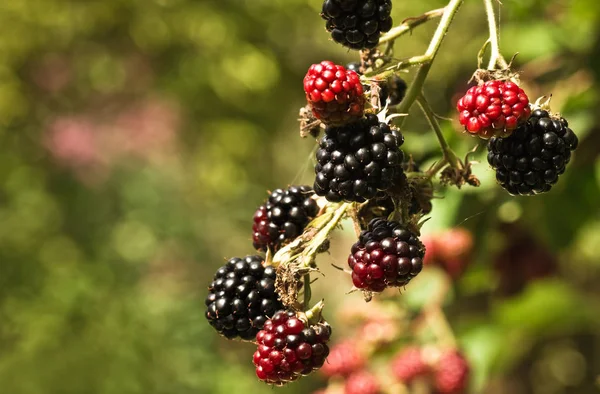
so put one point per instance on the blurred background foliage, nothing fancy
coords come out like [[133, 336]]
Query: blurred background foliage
[[138, 137]]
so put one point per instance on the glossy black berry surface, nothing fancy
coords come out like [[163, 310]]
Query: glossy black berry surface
[[283, 217], [357, 160], [357, 24], [242, 297], [533, 157], [387, 254]]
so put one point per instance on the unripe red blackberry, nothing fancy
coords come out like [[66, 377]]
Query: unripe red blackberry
[[362, 382], [334, 94], [357, 24], [494, 108], [409, 364], [531, 160], [344, 359], [241, 297], [387, 254], [283, 217], [452, 373], [289, 348], [356, 160]]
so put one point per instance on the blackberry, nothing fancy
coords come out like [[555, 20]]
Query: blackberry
[[289, 348], [362, 382], [451, 373], [409, 365], [283, 217], [357, 24], [386, 254], [532, 158], [395, 89], [494, 108], [422, 192], [344, 359], [335, 95], [356, 160], [242, 297]]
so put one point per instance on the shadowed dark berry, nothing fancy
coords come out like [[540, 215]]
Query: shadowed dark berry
[[531, 160], [357, 24], [386, 255], [283, 217], [363, 162], [241, 297], [289, 348]]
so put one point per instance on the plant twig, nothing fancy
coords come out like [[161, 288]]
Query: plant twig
[[449, 155], [417, 85], [495, 57], [408, 24]]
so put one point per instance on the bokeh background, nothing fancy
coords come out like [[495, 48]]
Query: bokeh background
[[138, 137]]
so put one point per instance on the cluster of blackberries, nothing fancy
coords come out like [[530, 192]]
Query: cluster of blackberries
[[288, 348], [357, 160], [357, 24], [387, 254], [283, 217], [242, 297], [532, 158]]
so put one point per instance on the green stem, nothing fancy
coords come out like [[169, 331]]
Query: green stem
[[408, 24], [449, 155], [417, 86], [495, 56]]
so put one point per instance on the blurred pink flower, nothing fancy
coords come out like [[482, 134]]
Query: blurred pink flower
[[90, 145]]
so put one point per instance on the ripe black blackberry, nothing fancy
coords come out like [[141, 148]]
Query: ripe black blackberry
[[289, 348], [386, 254], [357, 24], [395, 89], [354, 161], [530, 160], [422, 192], [242, 297], [283, 217]]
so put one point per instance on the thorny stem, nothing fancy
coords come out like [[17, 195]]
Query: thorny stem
[[417, 86], [495, 57], [408, 24], [449, 155]]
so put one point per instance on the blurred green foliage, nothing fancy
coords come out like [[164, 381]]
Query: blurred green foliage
[[137, 138]]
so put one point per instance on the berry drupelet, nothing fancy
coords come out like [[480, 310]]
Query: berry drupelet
[[334, 93], [357, 160], [289, 348], [283, 217], [242, 297], [534, 156], [357, 24], [493, 108], [387, 254]]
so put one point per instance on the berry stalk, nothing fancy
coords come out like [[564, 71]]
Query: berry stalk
[[417, 86], [495, 57], [449, 155], [408, 24]]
